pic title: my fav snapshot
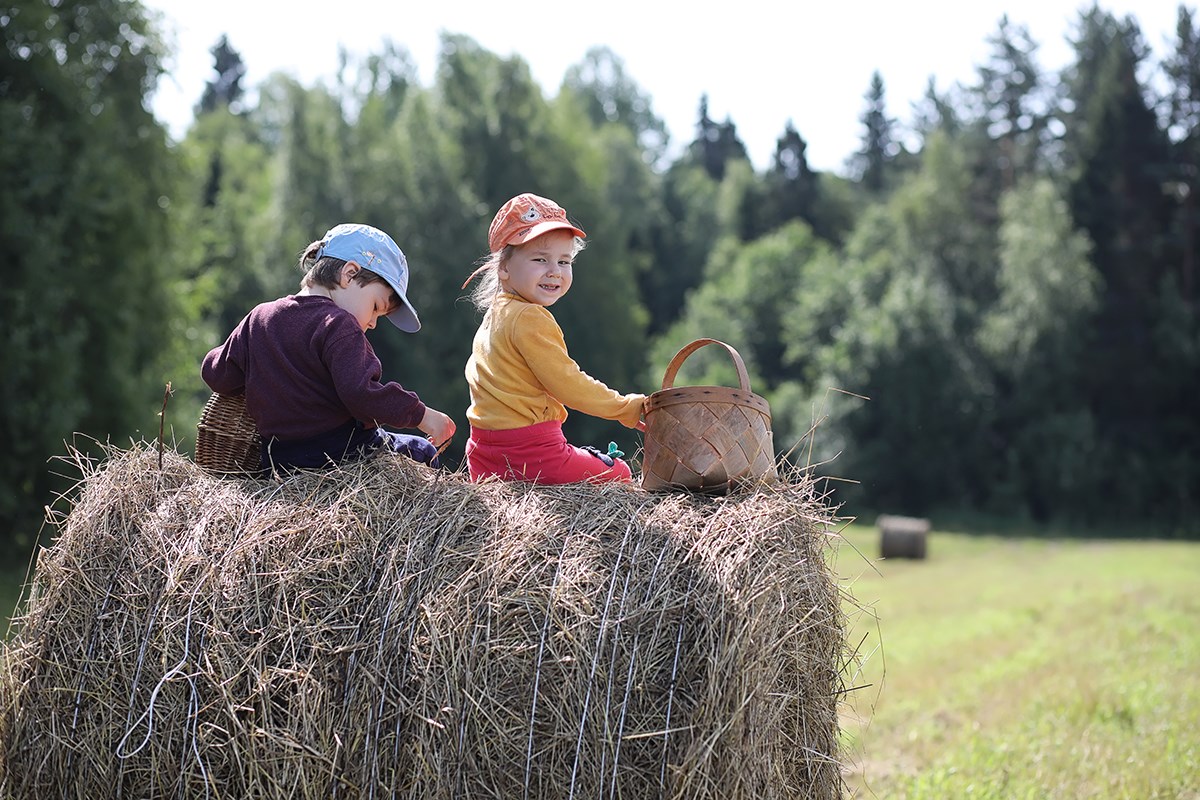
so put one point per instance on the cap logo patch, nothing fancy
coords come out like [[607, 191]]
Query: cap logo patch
[[530, 215]]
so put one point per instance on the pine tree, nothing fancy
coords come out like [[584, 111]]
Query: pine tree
[[878, 145], [1015, 105], [1119, 160], [936, 111], [225, 90], [716, 144], [1177, 332], [1182, 69], [793, 189]]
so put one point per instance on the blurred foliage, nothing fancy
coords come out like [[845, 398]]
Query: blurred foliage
[[89, 274], [994, 311]]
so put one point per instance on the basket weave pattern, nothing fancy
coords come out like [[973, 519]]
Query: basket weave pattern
[[227, 441], [706, 438]]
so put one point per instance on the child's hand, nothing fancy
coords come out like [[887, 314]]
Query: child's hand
[[439, 427]]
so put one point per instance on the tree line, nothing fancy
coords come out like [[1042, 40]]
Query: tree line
[[992, 311]]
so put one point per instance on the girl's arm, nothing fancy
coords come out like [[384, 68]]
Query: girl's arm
[[540, 340]]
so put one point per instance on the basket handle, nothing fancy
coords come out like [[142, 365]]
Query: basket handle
[[687, 350]]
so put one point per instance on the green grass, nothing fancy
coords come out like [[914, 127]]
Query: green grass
[[1024, 668]]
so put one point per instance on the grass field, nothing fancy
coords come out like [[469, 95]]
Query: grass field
[[1013, 669], [1024, 668]]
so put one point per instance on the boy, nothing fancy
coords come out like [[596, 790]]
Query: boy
[[311, 378]]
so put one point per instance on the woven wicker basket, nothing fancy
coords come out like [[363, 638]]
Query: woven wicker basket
[[227, 441], [708, 439]]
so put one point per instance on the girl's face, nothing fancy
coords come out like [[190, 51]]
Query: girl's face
[[539, 271], [367, 303]]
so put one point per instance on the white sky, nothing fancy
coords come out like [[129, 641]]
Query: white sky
[[741, 54]]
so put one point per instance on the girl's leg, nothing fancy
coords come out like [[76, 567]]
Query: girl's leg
[[538, 453], [586, 465]]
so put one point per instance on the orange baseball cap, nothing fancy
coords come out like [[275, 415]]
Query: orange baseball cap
[[526, 217]]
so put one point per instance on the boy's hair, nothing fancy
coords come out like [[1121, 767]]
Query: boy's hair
[[326, 272], [488, 273]]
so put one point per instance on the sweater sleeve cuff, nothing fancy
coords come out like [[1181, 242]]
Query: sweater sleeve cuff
[[419, 414]]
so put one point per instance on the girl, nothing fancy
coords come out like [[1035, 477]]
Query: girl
[[311, 378], [522, 380]]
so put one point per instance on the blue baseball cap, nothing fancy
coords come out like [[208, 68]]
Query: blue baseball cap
[[373, 249]]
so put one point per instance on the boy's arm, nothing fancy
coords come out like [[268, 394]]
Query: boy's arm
[[357, 377], [222, 368], [439, 427]]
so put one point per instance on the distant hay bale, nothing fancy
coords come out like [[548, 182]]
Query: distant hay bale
[[388, 630], [902, 537]]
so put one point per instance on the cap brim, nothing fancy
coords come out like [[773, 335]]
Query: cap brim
[[545, 227], [405, 317]]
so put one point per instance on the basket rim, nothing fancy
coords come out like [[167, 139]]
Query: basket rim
[[706, 394]]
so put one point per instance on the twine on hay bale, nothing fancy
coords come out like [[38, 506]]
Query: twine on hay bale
[[388, 630]]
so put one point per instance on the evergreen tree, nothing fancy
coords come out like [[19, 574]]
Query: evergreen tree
[[1177, 328], [313, 190], [500, 118], [701, 199], [716, 144], [226, 206], [878, 145], [1120, 160], [936, 112], [1015, 106], [1182, 69], [682, 243], [224, 90], [793, 189]]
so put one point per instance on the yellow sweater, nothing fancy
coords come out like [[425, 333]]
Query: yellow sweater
[[520, 373]]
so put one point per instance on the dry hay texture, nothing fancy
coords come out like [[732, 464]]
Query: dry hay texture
[[389, 630]]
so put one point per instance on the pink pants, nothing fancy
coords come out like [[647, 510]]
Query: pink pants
[[538, 453]]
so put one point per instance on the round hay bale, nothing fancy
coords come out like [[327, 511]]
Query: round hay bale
[[902, 537], [388, 630]]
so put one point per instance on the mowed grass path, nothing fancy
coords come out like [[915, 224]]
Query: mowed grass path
[[1024, 668]]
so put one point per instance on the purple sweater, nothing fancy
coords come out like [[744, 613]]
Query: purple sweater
[[306, 368]]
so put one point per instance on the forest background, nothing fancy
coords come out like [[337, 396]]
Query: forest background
[[996, 319]]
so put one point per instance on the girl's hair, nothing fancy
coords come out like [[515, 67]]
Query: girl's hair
[[488, 273], [326, 271]]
